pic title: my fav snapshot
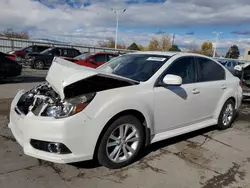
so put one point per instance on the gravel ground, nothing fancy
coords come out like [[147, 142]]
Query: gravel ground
[[203, 159]]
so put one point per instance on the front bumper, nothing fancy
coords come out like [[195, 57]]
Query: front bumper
[[77, 132]]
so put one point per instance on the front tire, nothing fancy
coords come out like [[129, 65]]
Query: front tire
[[227, 115], [121, 142]]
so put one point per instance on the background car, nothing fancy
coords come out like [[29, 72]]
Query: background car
[[30, 49], [44, 59], [8, 66], [93, 60], [229, 64], [243, 73]]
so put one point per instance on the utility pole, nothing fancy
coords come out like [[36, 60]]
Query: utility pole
[[173, 39], [216, 41], [117, 23]]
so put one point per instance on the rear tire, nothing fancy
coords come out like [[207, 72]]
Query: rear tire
[[39, 64], [121, 142], [227, 115]]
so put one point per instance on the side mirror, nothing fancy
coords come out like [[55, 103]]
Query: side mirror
[[173, 80], [238, 68]]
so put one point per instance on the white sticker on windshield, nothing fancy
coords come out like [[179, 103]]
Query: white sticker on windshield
[[156, 59]]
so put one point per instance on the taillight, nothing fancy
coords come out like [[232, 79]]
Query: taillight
[[11, 57], [240, 83]]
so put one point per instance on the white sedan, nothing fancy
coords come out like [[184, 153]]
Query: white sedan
[[113, 112]]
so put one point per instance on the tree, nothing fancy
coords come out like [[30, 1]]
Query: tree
[[164, 43], [233, 52], [207, 48], [153, 45], [175, 48], [142, 48], [110, 43], [134, 46], [9, 33]]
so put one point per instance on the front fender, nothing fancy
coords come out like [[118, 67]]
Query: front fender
[[115, 104]]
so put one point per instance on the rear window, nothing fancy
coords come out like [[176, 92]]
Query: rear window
[[209, 70]]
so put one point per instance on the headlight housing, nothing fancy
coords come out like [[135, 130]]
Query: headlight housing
[[70, 106], [32, 58]]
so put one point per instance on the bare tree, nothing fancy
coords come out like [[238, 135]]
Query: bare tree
[[9, 33], [110, 43], [164, 43]]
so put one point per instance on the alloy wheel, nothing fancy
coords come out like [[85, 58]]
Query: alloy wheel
[[39, 65], [227, 115], [122, 143]]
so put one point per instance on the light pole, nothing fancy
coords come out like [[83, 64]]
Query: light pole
[[216, 41], [117, 22]]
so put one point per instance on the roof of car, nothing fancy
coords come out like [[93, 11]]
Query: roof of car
[[168, 53], [105, 53], [156, 53], [64, 48]]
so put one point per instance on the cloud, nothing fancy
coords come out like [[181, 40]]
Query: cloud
[[241, 32], [89, 21], [177, 13]]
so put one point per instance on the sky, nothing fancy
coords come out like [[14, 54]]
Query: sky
[[91, 21]]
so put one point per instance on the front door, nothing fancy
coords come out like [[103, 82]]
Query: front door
[[175, 106]]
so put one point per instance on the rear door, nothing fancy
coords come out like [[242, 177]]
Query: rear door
[[71, 53], [212, 85]]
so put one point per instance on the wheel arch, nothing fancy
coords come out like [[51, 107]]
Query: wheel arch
[[139, 115], [222, 102]]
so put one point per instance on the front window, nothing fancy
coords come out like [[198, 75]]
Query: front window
[[48, 51], [83, 56], [139, 67], [28, 49], [100, 58], [185, 68]]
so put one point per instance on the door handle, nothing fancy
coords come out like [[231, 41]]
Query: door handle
[[195, 91], [223, 87]]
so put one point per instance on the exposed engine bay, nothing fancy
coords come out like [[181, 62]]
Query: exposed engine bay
[[43, 100], [38, 99]]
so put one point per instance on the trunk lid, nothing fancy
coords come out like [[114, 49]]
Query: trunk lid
[[63, 73]]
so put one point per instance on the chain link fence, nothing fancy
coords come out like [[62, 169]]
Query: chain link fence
[[7, 45]]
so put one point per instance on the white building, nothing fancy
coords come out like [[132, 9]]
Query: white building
[[247, 54]]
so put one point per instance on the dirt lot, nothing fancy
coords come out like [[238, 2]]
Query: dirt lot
[[204, 159]]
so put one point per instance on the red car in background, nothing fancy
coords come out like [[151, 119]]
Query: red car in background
[[92, 60], [21, 53]]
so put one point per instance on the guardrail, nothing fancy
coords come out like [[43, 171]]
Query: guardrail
[[10, 44]]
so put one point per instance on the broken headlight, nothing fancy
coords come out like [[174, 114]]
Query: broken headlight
[[70, 106]]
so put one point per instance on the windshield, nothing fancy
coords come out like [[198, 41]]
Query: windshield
[[83, 56], [139, 67], [46, 51]]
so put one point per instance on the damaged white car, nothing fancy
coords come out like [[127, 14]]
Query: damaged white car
[[112, 112]]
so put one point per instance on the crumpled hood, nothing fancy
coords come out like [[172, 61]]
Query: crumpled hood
[[63, 73]]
